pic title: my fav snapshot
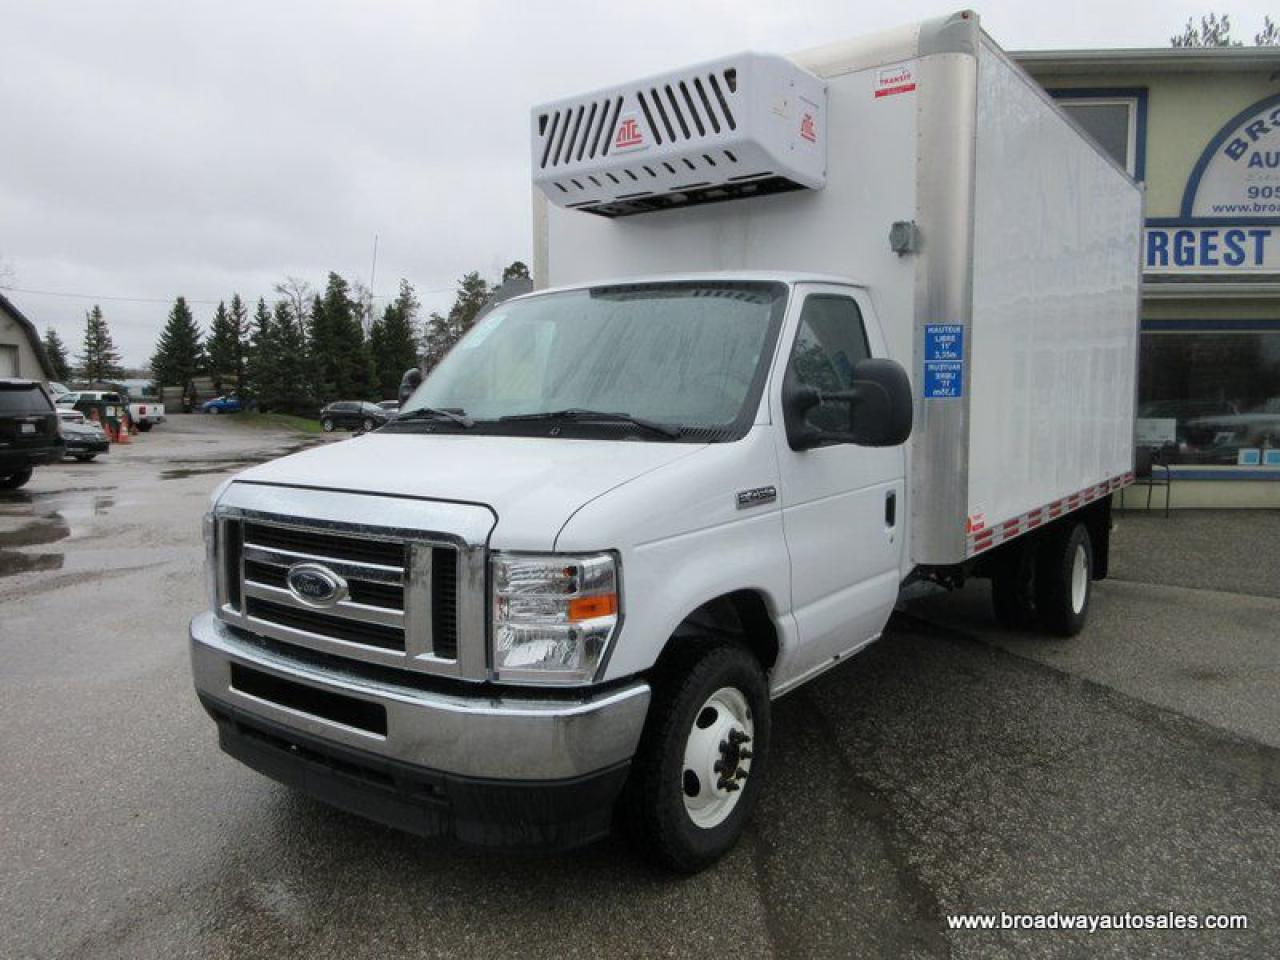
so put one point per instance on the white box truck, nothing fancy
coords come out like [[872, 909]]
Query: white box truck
[[806, 330]]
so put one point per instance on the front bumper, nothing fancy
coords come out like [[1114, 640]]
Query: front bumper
[[506, 770], [12, 460], [87, 445]]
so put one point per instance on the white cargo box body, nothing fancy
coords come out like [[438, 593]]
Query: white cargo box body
[[1016, 317]]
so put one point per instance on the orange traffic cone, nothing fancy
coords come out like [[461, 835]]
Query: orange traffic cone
[[122, 432]]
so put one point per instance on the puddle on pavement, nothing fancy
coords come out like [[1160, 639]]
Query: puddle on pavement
[[47, 529], [12, 562]]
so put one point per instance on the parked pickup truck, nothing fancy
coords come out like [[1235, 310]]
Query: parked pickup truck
[[146, 413], [877, 324]]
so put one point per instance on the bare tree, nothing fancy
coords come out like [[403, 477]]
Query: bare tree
[[7, 274], [363, 298], [1270, 35], [299, 294], [1212, 31]]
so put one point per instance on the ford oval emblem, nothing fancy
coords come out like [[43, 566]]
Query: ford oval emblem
[[316, 585]]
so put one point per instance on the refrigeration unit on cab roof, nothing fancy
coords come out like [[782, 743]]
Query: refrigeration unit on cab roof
[[739, 126]]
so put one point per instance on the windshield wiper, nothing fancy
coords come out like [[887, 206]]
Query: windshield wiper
[[436, 413], [578, 413]]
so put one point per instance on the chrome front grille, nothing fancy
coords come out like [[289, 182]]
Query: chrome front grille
[[402, 605]]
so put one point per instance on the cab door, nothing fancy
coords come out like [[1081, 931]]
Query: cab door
[[842, 504]]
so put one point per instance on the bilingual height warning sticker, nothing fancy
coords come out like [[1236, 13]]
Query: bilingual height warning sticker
[[896, 79], [943, 361]]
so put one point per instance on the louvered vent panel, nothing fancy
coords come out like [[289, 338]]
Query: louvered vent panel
[[741, 126]]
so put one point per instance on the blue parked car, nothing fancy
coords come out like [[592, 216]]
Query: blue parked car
[[228, 404]]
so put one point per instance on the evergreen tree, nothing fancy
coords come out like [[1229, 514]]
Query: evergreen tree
[[263, 360], [220, 346], [239, 328], [340, 354], [435, 341], [179, 355], [393, 340], [294, 380], [473, 294], [57, 352], [515, 269], [100, 361]]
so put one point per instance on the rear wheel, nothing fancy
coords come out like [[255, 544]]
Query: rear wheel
[[214, 410], [327, 425], [15, 480], [1064, 580], [368, 424], [699, 768]]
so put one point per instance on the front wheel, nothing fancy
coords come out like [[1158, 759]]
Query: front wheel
[[15, 480], [1064, 580], [368, 424], [144, 426], [327, 425], [701, 761]]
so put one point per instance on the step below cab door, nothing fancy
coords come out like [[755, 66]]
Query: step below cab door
[[842, 504]]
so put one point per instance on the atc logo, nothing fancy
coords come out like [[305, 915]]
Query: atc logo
[[629, 135], [808, 130]]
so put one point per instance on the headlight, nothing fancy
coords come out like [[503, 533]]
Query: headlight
[[553, 616], [209, 526]]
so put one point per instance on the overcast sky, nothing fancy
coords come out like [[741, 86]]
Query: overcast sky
[[154, 148]]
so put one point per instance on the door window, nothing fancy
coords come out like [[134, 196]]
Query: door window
[[829, 343]]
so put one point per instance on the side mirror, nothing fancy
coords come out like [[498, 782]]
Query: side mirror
[[410, 382], [879, 406]]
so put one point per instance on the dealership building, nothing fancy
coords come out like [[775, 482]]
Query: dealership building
[[1200, 128]]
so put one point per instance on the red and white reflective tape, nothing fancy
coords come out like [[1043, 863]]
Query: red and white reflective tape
[[986, 536]]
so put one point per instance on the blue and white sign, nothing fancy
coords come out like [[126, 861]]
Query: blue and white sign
[[1238, 174], [943, 360], [1216, 249]]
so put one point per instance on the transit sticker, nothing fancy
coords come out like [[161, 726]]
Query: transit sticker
[[896, 79], [943, 360]]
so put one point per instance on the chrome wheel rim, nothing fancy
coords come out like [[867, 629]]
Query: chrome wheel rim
[[717, 758], [1079, 579]]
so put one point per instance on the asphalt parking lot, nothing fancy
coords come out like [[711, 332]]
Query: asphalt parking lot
[[951, 768]]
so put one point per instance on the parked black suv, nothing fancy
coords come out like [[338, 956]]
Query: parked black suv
[[29, 433], [353, 415]]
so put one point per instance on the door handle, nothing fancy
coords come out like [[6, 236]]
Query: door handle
[[891, 508]]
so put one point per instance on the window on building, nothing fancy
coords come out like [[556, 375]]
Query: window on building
[[1111, 121], [1211, 398]]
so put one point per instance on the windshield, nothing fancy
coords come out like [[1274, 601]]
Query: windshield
[[23, 399], [687, 354]]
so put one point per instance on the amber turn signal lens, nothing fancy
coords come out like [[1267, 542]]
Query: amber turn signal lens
[[588, 608]]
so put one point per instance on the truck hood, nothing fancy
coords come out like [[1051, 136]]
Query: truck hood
[[533, 484]]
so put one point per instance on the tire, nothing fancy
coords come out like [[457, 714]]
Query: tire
[[15, 480], [145, 426], [1064, 580], [85, 457], [368, 424], [327, 425], [214, 410], [707, 692], [1013, 598]]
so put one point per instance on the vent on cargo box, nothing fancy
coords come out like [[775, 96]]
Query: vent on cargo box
[[742, 126]]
